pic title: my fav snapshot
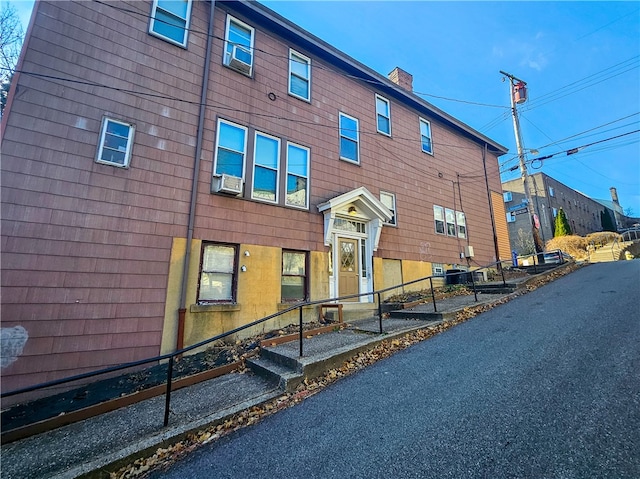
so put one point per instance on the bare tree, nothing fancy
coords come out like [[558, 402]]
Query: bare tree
[[11, 38]]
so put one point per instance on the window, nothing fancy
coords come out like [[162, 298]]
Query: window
[[425, 136], [383, 115], [294, 276], [437, 269], [217, 274], [231, 151], [170, 20], [451, 222], [555, 212], [238, 46], [349, 138], [507, 196], [389, 200], [297, 176], [266, 164], [116, 141], [299, 75], [438, 215], [511, 217], [462, 224], [551, 193], [363, 255]]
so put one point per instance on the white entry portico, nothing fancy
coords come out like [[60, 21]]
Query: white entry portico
[[353, 223]]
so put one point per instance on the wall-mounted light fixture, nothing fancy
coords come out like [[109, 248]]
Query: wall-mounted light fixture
[[352, 211], [246, 253], [243, 268]]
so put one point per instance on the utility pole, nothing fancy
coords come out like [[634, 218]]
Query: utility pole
[[518, 94]]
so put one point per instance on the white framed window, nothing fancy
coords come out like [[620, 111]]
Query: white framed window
[[299, 75], [349, 139], [451, 222], [551, 192], [266, 167], [437, 269], [297, 176], [438, 216], [425, 136], [238, 46], [511, 217], [294, 280], [116, 142], [218, 271], [383, 115], [461, 221], [170, 20], [507, 196], [555, 212], [389, 200], [231, 141]]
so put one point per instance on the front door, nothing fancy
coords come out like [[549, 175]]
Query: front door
[[349, 275]]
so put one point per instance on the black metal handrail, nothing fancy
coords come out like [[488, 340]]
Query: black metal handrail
[[299, 306]]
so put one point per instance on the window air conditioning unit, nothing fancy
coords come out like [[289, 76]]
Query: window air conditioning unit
[[468, 251], [230, 185], [240, 59]]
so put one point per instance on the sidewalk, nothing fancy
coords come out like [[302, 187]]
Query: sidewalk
[[90, 445]]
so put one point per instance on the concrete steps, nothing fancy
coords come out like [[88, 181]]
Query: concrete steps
[[609, 252]]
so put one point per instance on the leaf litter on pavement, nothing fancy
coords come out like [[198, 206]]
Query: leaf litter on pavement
[[164, 457]]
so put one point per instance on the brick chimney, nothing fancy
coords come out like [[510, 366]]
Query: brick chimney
[[614, 195], [401, 78]]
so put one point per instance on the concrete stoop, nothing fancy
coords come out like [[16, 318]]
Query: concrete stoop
[[283, 366]]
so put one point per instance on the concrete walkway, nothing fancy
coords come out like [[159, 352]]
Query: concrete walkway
[[90, 445]]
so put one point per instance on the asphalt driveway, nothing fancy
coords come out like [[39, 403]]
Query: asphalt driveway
[[545, 386]]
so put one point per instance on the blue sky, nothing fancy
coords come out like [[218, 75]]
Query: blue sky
[[581, 61]]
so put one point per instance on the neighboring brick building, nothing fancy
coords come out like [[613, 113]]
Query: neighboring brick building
[[295, 173], [548, 196]]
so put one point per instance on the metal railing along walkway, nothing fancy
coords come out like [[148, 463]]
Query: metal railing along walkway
[[171, 357]]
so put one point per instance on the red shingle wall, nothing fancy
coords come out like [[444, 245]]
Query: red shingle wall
[[85, 246]]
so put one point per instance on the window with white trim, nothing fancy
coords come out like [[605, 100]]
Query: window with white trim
[[238, 46], [555, 212], [116, 142], [389, 200], [383, 115], [511, 217], [297, 176], [266, 167], [294, 276], [299, 75], [461, 221], [425, 136], [551, 192], [451, 222], [263, 164], [170, 20], [349, 138], [218, 271], [437, 269], [438, 215], [231, 150], [508, 196]]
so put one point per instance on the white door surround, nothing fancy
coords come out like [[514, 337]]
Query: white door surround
[[358, 215]]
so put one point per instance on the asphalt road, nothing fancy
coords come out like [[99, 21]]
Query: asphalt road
[[545, 386]]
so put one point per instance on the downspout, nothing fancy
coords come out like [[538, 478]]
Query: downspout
[[493, 221], [194, 185]]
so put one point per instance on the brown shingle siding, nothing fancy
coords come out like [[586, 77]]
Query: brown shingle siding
[[97, 238]]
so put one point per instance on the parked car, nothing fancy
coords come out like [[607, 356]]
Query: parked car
[[557, 257]]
